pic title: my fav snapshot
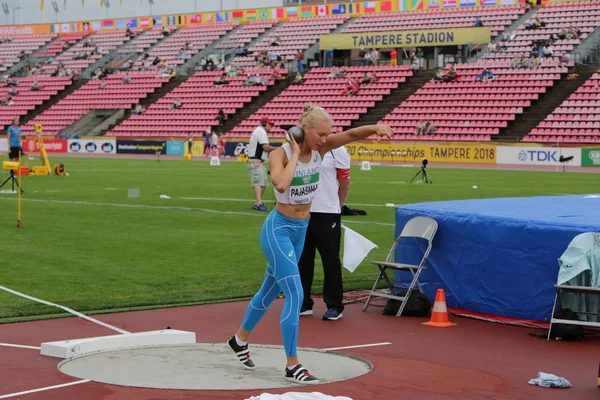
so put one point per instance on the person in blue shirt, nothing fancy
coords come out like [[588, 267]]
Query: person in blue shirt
[[14, 140]]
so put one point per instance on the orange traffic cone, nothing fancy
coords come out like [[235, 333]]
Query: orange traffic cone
[[439, 315]]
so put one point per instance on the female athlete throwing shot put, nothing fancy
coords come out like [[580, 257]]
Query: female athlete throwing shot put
[[295, 176]]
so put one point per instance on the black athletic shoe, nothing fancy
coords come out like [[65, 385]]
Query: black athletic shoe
[[242, 353], [299, 374]]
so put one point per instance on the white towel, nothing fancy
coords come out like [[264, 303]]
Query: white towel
[[356, 248], [297, 396], [549, 380]]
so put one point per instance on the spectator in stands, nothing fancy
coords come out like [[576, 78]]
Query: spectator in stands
[[368, 57], [424, 128], [36, 86], [203, 63], [210, 64], [221, 80], [128, 33], [221, 117], [182, 53], [419, 128], [352, 87], [12, 82], [439, 76], [563, 60], [478, 22], [275, 41], [451, 75], [251, 80], [138, 110], [300, 58], [176, 104], [127, 78], [485, 76], [166, 31], [156, 61], [548, 51], [362, 55], [298, 80], [7, 101], [369, 77], [393, 57], [277, 75], [102, 84], [517, 62], [334, 73], [165, 73], [13, 91], [328, 58], [241, 51], [375, 57]]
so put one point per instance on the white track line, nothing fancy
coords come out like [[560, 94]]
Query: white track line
[[251, 200], [6, 396], [206, 210], [358, 346], [70, 311], [20, 346]]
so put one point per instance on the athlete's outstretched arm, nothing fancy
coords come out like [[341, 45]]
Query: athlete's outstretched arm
[[352, 135]]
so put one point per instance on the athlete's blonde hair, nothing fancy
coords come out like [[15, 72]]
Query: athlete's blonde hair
[[313, 114]]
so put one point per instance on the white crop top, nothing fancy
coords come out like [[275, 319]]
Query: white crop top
[[305, 183]]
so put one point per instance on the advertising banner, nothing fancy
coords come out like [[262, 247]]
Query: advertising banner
[[407, 152], [3, 145], [538, 155], [141, 146], [234, 149], [589, 157], [420, 38], [51, 146], [94, 146], [176, 148]]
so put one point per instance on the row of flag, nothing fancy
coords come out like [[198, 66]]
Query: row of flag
[[102, 3], [290, 12], [269, 13]]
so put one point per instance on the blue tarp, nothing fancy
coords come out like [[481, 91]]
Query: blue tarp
[[498, 256]]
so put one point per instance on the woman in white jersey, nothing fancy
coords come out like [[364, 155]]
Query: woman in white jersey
[[295, 176]]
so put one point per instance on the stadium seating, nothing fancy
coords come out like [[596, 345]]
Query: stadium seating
[[26, 99], [198, 36], [56, 47], [497, 18], [576, 120], [297, 34], [142, 40], [469, 110], [201, 102], [286, 108], [246, 34], [115, 95], [583, 15], [104, 41], [11, 48]]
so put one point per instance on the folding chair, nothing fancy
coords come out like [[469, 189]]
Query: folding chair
[[417, 227]]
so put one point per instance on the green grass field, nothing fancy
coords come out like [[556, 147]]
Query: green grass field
[[86, 245]]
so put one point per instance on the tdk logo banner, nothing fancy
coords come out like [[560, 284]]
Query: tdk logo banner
[[537, 156]]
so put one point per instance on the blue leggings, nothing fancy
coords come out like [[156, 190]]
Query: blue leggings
[[282, 240]]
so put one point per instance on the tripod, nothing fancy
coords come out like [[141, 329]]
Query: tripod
[[424, 175], [13, 180]]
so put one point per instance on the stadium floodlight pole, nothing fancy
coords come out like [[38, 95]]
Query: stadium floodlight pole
[[15, 8]]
